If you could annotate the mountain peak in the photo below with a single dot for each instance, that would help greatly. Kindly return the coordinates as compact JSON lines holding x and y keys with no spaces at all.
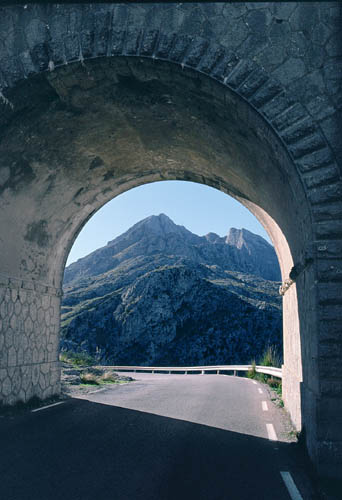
{"x":212,"y":237}
{"x":160,"y":224}
{"x":156,"y":235}
{"x":243,"y":238}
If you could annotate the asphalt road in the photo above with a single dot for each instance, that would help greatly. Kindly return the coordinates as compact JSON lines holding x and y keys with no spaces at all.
{"x":163,"y":437}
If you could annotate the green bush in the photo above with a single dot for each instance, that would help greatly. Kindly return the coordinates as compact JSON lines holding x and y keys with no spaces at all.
{"x":252,"y":371}
{"x":77,"y":358}
{"x":270,"y":357}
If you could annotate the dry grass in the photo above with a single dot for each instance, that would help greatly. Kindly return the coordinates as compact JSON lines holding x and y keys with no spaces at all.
{"x":90,"y":378}
{"x":109,"y":377}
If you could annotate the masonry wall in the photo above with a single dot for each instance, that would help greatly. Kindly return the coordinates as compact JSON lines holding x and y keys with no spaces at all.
{"x":29,"y":340}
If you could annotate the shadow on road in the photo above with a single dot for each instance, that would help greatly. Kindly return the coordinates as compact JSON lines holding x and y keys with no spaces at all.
{"x":82,"y":450}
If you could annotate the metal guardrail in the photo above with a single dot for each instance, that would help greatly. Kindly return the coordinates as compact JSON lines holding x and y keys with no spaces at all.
{"x":267,"y":370}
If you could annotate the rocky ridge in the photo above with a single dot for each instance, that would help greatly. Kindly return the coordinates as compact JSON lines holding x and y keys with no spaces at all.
{"x":159,"y":294}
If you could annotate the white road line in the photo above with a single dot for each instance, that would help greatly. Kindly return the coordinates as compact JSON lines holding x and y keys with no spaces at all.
{"x":48,"y":406}
{"x":254,"y":382}
{"x":264,"y":406}
{"x":290,"y":485}
{"x":98,"y":390}
{"x":272,"y":436}
{"x":260,"y":391}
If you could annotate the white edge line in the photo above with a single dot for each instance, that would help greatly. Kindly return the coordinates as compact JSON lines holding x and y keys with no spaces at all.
{"x":272,"y":436}
{"x":290,"y":485}
{"x":48,"y":406}
{"x":254,"y":382}
{"x":260,"y":391}
{"x":264,"y":406}
{"x":98,"y":390}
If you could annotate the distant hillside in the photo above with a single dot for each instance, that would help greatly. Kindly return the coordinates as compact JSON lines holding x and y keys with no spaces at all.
{"x":159,"y":294}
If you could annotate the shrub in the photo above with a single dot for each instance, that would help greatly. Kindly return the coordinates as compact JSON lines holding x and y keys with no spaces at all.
{"x":271,"y":357}
{"x":77,"y":358}
{"x":108,"y":377}
{"x":252,"y":371}
{"x":89,"y":378}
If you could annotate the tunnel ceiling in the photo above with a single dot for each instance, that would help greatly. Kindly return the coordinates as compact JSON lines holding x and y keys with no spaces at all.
{"x":86,"y":132}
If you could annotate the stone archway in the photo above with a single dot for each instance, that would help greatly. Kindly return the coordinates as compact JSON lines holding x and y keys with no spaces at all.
{"x":163,"y":107}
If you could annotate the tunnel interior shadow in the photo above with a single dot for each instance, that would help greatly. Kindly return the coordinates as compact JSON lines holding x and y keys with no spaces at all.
{"x":85,"y":450}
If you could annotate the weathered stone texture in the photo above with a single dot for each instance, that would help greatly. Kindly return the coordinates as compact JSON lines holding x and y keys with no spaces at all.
{"x":29,"y":342}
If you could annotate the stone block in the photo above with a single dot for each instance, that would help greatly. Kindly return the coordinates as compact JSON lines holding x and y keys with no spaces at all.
{"x":33,"y":311}
{"x":12,"y":357}
{"x":132,"y":41}
{"x":256,"y":79}
{"x":298,"y":131}
{"x":330,"y":312}
{"x":196,"y":52}
{"x":265,"y":94}
{"x":330,"y":349}
{"x":330,"y":330}
{"x":329,"y":293}
{"x":28,"y":325}
{"x":307,"y":145}
{"x":328,"y":229}
{"x":329,"y":367}
{"x":324,"y":175}
{"x":6,"y":387}
{"x":165,"y":44}
{"x":9,"y":340}
{"x":71,"y":46}
{"x":328,"y":248}
{"x":102,"y":24}
{"x":45,"y":302}
{"x":3,"y":309}
{"x":324,"y":194}
{"x":329,"y":270}
{"x":224,"y":66}
{"x":289,"y":116}
{"x":20,"y":356}
{"x":149,"y":41}
{"x":40,"y":288}
{"x":212,"y":58}
{"x":40,"y":57}
{"x":56,"y":52}
{"x":40,"y":316}
{"x":35,"y":355}
{"x":179,"y":48}
{"x":239,"y":74}
{"x":14,"y":322}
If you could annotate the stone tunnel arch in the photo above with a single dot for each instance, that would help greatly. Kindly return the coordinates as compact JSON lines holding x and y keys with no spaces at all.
{"x":79,"y":142}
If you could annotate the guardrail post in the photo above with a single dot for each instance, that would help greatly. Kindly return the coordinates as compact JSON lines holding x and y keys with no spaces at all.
{"x":185,"y":373}
{"x":202,"y":372}
{"x":152,"y":371}
{"x":218,"y":372}
{"x":234,"y":373}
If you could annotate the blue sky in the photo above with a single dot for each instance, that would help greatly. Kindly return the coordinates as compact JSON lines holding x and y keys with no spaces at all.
{"x":199,"y":208}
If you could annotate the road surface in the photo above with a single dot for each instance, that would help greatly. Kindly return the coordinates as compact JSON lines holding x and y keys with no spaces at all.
{"x":162,"y":437}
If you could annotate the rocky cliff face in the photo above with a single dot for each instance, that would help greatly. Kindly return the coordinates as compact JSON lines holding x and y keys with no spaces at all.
{"x":159,"y":294}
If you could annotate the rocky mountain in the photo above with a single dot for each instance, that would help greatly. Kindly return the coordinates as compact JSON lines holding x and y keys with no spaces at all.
{"x":159,"y":294}
{"x":240,"y":250}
